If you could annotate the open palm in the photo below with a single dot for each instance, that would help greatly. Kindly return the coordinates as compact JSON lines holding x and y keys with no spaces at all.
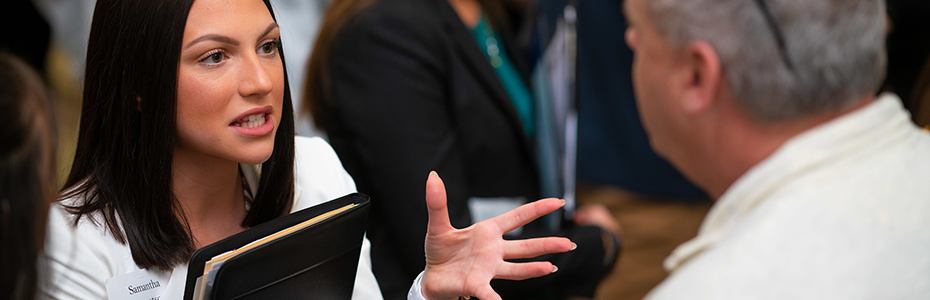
{"x":462,"y":262}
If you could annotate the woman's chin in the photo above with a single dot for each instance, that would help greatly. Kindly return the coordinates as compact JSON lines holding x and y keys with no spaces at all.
{"x":255,"y":155}
{"x":256,"y":160}
{"x":256,"y":152}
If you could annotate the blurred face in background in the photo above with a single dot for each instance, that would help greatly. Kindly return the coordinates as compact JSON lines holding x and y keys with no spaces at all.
{"x":27,"y":175}
{"x":230,"y":82}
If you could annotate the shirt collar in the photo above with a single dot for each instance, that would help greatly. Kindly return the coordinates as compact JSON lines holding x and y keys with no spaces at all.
{"x":808,"y":151}
{"x":252,"y":175}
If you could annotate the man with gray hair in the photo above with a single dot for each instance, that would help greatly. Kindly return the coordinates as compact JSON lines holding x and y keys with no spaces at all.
{"x":822,"y":189}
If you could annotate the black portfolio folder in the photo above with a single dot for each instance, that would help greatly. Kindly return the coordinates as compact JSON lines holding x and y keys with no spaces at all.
{"x":315,"y":262}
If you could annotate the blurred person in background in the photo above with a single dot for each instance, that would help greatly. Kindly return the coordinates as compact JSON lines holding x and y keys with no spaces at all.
{"x":656,"y":206}
{"x":769,"y":106}
{"x":27,"y":175}
{"x":403,"y":87}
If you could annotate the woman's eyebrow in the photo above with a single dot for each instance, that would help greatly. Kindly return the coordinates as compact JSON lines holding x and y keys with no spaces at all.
{"x":226,"y":39}
{"x":271,"y":27}
{"x":214,"y":37}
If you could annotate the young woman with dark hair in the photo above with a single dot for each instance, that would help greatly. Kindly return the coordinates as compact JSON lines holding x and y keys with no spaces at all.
{"x":133,"y":143}
{"x":187,"y":137}
{"x":27,"y":175}
{"x":403,"y":87}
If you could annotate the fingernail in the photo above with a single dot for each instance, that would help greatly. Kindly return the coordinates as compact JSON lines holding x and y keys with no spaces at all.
{"x":563,"y":202}
{"x":433,"y":173}
{"x":574,"y":246}
{"x":554,"y":269}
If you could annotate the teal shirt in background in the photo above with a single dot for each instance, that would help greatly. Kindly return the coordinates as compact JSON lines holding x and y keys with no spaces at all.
{"x":490,"y":43}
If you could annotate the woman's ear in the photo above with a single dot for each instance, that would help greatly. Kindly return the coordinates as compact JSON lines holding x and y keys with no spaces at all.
{"x":706,"y":76}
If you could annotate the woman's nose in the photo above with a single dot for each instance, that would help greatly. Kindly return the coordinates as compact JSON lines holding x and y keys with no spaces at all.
{"x":255,"y":80}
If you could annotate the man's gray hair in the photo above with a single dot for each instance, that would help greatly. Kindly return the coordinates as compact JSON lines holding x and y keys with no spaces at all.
{"x":836,"y":47}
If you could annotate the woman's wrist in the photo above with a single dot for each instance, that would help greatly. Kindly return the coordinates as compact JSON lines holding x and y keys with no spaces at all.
{"x":430,"y":289}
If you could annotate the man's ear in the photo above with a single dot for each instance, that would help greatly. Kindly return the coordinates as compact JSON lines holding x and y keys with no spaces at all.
{"x":138,"y":103}
{"x":706,"y":77}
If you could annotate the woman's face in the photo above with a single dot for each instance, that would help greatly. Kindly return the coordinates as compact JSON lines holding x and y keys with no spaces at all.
{"x":230,"y":82}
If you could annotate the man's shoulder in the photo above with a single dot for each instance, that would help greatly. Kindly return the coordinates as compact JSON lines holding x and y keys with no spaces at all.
{"x":806,"y":251}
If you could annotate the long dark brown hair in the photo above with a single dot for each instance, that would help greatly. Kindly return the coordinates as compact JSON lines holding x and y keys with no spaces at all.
{"x":122,"y":166}
{"x":317,"y":93}
{"x":27,"y":175}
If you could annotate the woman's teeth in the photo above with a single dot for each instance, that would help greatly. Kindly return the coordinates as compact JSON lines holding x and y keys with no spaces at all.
{"x":251,"y":121}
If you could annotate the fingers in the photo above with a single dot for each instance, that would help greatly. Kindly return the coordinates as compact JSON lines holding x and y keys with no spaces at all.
{"x":528,"y":212}
{"x":436,"y":205}
{"x":527,"y":270}
{"x":535,"y":247}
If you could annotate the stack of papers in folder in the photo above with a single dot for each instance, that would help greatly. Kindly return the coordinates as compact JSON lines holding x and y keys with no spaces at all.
{"x":309,"y":254}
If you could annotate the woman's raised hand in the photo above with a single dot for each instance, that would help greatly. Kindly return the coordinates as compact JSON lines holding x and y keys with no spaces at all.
{"x":462,"y":262}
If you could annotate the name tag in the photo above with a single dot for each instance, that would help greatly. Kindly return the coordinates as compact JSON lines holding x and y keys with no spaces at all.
{"x":138,"y":285}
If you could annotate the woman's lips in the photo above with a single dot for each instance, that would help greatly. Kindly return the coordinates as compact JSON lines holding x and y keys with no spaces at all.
{"x":262,"y":125}
{"x":255,"y":122}
{"x":250,"y":121}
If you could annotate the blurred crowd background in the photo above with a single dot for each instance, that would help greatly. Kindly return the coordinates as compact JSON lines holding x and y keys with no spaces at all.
{"x":579,"y":67}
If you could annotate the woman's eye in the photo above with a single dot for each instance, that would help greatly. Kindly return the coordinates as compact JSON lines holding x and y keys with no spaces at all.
{"x":216,"y":57}
{"x":269,"y":47}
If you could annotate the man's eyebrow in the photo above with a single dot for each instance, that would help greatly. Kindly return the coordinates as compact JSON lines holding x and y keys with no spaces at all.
{"x":214,"y":37}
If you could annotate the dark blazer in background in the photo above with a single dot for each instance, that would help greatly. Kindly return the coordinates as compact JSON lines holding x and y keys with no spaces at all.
{"x":413,"y":93}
